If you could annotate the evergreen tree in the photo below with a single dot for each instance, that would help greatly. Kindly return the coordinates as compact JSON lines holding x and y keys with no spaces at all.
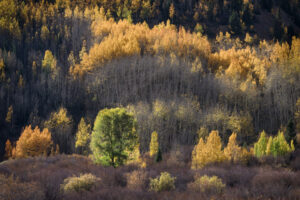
{"x":158,"y":157}
{"x":234,"y":23}
{"x":290,"y":131}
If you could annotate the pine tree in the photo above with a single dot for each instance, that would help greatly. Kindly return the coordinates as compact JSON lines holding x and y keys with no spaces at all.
{"x":154,"y":146}
{"x":158,"y":157}
{"x":83,"y":137}
{"x":260,"y":146}
{"x":290,"y":131}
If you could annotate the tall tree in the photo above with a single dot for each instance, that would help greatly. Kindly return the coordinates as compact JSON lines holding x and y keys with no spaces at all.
{"x":154,"y":146}
{"x":60,"y":124}
{"x":232,"y":151}
{"x":33,"y":142}
{"x":83,"y":137}
{"x":260,"y":146}
{"x":209,"y":152}
{"x":114,"y":135}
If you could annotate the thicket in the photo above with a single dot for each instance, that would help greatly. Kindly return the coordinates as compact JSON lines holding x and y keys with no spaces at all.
{"x":19,"y":180}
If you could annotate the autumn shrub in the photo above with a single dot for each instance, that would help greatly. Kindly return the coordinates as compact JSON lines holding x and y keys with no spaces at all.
{"x":136,"y":179}
{"x":13,"y":189}
{"x":33,"y":142}
{"x":210,"y":185}
{"x":272,"y":184}
{"x":80,"y":183}
{"x":164,"y":182}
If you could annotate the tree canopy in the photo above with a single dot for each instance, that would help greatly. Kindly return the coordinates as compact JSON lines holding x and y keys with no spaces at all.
{"x":114,"y":135}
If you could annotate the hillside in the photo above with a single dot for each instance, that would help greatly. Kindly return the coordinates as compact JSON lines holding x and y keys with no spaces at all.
{"x":137,"y":86}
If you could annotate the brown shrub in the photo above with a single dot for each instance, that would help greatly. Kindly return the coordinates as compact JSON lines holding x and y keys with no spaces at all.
{"x":136,"y":180}
{"x":273,"y":184}
{"x":14,"y":189}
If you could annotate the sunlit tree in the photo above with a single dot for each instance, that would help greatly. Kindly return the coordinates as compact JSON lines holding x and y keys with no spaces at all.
{"x":33,"y":142}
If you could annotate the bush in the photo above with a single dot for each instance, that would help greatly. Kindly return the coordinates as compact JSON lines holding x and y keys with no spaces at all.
{"x":136,"y":179}
{"x":211,"y":185}
{"x":163,"y":183}
{"x":79,"y":184}
{"x":13,"y":189}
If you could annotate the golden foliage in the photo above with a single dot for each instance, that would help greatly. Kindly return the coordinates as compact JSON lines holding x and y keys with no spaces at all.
{"x":232,"y":151}
{"x":58,"y":118}
{"x":83,"y":136}
{"x":121,"y":39}
{"x":33,"y":142}
{"x":8,"y":149}
{"x":209,"y":152}
{"x":153,"y":147}
{"x":9,"y":114}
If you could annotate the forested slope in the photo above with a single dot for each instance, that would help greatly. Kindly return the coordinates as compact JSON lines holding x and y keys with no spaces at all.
{"x":165,"y":61}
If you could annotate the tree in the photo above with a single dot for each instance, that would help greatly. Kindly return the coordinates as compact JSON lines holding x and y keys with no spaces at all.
{"x":83,"y":137}
{"x":49,"y":64}
{"x":33,"y":142}
{"x":260,"y":146}
{"x":232,"y":151}
{"x":297,"y":116}
{"x":279,"y":146}
{"x":113,"y":136}
{"x":171,"y":11}
{"x":154,"y":146}
{"x":60,"y":124}
{"x":234,"y":22}
{"x":158,"y":157}
{"x":8,"y":149}
{"x":9,"y":114}
{"x":290,"y":131}
{"x":209,"y":152}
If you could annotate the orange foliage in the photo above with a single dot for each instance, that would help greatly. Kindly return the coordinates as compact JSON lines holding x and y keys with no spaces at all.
{"x":33,"y":142}
{"x":8,"y":149}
